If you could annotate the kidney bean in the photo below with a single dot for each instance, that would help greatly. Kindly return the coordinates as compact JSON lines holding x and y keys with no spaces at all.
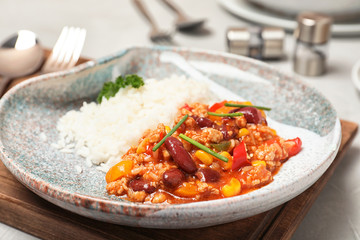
{"x":227,"y":133}
{"x":141,"y":185}
{"x":208,"y":175}
{"x":180,"y":156}
{"x":226,"y":119}
{"x":234,"y":110}
{"x":194,"y":117}
{"x":204,"y":122}
{"x":173,"y":177}
{"x":252,"y":115}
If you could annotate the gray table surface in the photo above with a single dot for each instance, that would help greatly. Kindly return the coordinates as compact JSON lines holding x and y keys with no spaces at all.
{"x":115,"y":24}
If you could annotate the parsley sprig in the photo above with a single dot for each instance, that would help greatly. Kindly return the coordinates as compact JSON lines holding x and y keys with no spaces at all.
{"x":111,"y":88}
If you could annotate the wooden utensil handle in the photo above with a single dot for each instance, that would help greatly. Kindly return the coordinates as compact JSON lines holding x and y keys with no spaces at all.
{"x":140,"y":5}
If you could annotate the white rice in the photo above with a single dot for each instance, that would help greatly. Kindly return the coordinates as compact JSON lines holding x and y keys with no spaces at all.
{"x":102,"y":133}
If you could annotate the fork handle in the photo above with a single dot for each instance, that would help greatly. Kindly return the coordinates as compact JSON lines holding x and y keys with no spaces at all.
{"x":173,"y":7}
{"x":140,"y":5}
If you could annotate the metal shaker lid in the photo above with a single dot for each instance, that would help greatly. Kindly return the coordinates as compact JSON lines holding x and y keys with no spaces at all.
{"x":238,"y":40}
{"x":273,"y":39}
{"x":256,"y":42}
{"x":313,"y":27}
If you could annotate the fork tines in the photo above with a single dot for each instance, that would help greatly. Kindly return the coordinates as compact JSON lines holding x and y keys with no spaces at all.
{"x":66,"y":51}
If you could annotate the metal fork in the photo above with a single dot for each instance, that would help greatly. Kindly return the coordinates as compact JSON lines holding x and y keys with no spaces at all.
{"x":66,"y":51}
{"x":156,"y":35}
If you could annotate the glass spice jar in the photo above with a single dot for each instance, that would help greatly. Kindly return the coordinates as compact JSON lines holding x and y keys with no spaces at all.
{"x":311,"y":49}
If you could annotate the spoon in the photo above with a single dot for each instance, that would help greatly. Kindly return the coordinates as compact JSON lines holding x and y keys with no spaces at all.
{"x":20,"y":55}
{"x":183,"y":22}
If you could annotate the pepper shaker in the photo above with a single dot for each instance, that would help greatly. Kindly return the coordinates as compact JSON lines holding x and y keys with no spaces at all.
{"x":312,"y":35}
{"x":256,"y":42}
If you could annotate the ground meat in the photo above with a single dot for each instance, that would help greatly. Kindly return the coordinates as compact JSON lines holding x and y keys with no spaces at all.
{"x":158,"y":198}
{"x":271,"y":154}
{"x":166,"y":154}
{"x":118,"y":187}
{"x":153,"y":172}
{"x":135,"y":158}
{"x":214,"y":191}
{"x":190,"y":124}
{"x":196,"y":135}
{"x":265,"y":152}
{"x":199,"y":109}
{"x":186,"y":144}
{"x":260,"y":133}
{"x":255,"y":176}
{"x":212,"y":135}
{"x":216,"y":166}
{"x":136,"y":196}
{"x":240,"y":121}
{"x":202,"y":186}
{"x":138,"y":170}
{"x":205,"y":136}
{"x":266,"y":132}
{"x":155,"y":135}
{"x":181,"y":113}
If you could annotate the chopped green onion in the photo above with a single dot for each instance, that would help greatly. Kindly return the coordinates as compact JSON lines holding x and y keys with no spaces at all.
{"x":246,"y":105}
{"x":202,"y":147}
{"x":170,"y":133}
{"x":236,"y":114}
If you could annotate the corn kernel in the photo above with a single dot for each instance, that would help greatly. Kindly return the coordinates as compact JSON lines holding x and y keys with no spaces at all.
{"x":226,"y":165}
{"x":142,"y":146}
{"x":258,"y":162}
{"x":273,"y":131}
{"x":232,"y":188}
{"x":243,"y":132}
{"x":167,"y":129}
{"x":204,"y":157}
{"x":226,"y":154}
{"x":119,"y":170}
{"x":263,"y":113}
{"x":187,"y":190}
{"x":247,"y":103}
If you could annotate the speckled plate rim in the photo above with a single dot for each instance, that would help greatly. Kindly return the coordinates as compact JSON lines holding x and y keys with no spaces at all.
{"x":127,"y":208}
{"x":355,"y":74}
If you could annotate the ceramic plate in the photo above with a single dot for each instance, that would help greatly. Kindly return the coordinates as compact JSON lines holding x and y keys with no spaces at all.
{"x":243,"y":9}
{"x":29,"y":113}
{"x":355,"y":75}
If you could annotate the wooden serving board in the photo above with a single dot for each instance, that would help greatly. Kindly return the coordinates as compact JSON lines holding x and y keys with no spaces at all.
{"x":24,"y":210}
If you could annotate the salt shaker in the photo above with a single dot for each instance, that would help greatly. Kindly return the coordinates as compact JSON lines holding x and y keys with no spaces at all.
{"x":312,"y":35}
{"x":256,"y":42}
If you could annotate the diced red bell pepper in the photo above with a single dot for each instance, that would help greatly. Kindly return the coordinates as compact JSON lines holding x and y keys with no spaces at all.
{"x":187,"y":107}
{"x":149,"y":149}
{"x":216,"y":106}
{"x":161,"y":135}
{"x":296,"y":148}
{"x":239,"y":157}
{"x":272,"y":141}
